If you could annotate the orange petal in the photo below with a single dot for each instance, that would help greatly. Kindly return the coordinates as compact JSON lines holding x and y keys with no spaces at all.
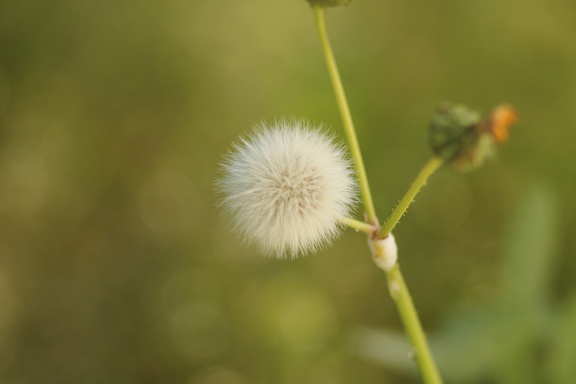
{"x":502,"y":117}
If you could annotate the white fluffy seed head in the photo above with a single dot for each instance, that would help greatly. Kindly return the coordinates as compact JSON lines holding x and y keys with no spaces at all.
{"x":286,"y":187}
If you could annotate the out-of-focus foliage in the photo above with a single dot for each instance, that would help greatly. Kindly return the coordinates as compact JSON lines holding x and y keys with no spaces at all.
{"x":115,"y":266}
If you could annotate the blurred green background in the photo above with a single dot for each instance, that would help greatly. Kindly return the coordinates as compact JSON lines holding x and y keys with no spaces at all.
{"x":115,"y":266}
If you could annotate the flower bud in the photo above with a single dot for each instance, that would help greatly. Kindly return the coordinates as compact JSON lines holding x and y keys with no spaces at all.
{"x":463,"y":139}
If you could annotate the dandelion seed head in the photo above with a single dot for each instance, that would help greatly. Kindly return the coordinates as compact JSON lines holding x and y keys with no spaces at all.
{"x":286,"y":187}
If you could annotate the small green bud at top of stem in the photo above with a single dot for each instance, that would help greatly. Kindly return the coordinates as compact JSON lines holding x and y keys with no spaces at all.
{"x":451,"y":129}
{"x":463,"y":139}
{"x":328,"y":3}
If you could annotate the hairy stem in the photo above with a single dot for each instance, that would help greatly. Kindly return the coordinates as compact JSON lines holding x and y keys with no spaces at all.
{"x":431,"y":166}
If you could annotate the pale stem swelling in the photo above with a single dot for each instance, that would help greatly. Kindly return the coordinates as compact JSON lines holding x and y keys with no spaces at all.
{"x":346,"y":116}
{"x":397,"y":286}
{"x":431,"y":166}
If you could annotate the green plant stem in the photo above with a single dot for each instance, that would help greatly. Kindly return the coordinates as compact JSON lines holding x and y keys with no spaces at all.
{"x":358,"y":225}
{"x":398,"y":289}
{"x":346,"y":116}
{"x":429,"y":168}
{"x":423,"y":356}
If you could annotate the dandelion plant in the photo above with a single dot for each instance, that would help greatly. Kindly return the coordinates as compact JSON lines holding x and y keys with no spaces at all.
{"x":289,"y":188}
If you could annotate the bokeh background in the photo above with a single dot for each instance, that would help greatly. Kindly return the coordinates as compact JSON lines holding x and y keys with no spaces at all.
{"x":115,"y":266}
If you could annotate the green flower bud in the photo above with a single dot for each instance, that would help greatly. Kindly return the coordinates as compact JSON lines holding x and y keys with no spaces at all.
{"x":463,"y":139}
{"x":452,"y":129}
